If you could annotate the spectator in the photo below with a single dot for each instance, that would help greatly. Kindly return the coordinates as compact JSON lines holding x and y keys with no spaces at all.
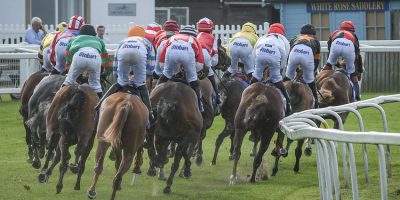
{"x":101,"y":30}
{"x":36,"y":32}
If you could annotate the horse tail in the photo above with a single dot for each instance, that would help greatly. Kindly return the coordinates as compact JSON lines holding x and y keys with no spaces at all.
{"x":71,"y":110}
{"x":113,"y":133}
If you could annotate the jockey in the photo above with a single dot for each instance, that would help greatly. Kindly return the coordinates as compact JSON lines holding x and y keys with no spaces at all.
{"x":344,"y":42}
{"x":183,"y":49}
{"x":151,"y":31}
{"x":272,"y":50}
{"x":44,"y":49}
{"x":170,"y":28}
{"x":210,"y":49}
{"x":241,"y":47}
{"x":60,"y":41}
{"x":305,"y":51}
{"x":86,"y":52}
{"x":135,"y":52}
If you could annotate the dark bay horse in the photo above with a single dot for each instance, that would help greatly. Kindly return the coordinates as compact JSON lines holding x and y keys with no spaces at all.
{"x":71,"y":120}
{"x":38,"y":107}
{"x":260,"y":110}
{"x":301,"y":99}
{"x":26,"y":93}
{"x":122,"y":124}
{"x":178,"y":120}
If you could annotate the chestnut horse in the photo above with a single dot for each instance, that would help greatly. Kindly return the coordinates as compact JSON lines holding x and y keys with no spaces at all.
{"x":260,"y":110}
{"x":178,"y":120}
{"x":122,"y":124}
{"x":26,"y":93}
{"x":71,"y":120}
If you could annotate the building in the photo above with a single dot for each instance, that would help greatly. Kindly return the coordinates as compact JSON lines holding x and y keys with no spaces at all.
{"x":374,"y":19}
{"x":94,"y":11}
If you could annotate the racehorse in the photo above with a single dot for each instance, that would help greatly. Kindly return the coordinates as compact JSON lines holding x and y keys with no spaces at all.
{"x":260,"y":110}
{"x":301,"y":98}
{"x":178,"y":120}
{"x":71,"y":120}
{"x":38,"y":106}
{"x":26,"y":93}
{"x":122,"y":124}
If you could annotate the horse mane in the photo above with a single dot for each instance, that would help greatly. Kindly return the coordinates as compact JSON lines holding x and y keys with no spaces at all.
{"x":70,"y":110}
{"x":113,"y":133}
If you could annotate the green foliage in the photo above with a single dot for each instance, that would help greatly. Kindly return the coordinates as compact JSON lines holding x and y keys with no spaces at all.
{"x":19,"y":179}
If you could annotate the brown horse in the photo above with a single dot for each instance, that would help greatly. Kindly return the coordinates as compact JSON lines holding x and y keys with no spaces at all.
{"x":260,"y":110}
{"x":122,"y":124}
{"x":26,"y":93}
{"x":71,"y":118}
{"x":301,"y":99}
{"x":178,"y":120}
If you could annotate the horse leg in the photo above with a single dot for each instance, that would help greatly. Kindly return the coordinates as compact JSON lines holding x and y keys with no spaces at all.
{"x":28,"y":140}
{"x":100,"y":154}
{"x":151,"y":152}
{"x":298,"y":153}
{"x":288,"y":143}
{"x":138,"y":161}
{"x":238,"y":140}
{"x":232,"y":135}
{"x":171,"y":149}
{"x":42,"y":144}
{"x":278,"y":150}
{"x":218,"y":142}
{"x":44,"y":175}
{"x":82,"y":162}
{"x":78,"y":152}
{"x":65,"y":156}
{"x":35,"y":161}
{"x":199,"y":153}
{"x":265,"y":140}
{"x":253,"y":151}
{"x":118,"y":155}
{"x":186,"y":171}
{"x":174,"y":168}
{"x":123,"y":168}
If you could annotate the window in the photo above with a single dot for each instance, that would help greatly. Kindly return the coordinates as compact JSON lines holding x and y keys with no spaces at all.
{"x":395,"y":26}
{"x":67,"y":9}
{"x":321,"y":23}
{"x":179,"y":14}
{"x":376,"y":26}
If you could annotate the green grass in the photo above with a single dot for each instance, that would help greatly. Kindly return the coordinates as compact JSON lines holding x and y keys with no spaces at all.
{"x":207,"y":182}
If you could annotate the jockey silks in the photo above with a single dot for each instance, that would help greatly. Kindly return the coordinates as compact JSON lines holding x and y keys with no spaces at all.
{"x":242,"y":49}
{"x":210,"y":50}
{"x":301,"y":54}
{"x":310,"y":41}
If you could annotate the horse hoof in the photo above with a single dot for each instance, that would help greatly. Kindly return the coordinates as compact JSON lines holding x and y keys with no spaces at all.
{"x":151,"y":172}
{"x":43,"y":178}
{"x":91,"y":194}
{"x":231,"y":157}
{"x":213,"y":163}
{"x":252,"y":180}
{"x":41,"y":153}
{"x":74,"y":168}
{"x":77,"y":188}
{"x":167,"y":190}
{"x":199,"y":160}
{"x":137,"y":170}
{"x":296,"y":170}
{"x":252,"y":154}
{"x":274,"y":153}
{"x":308,"y":152}
{"x":59,"y":188}
{"x":232,"y":179}
{"x":36,"y":164}
{"x":285,"y":154}
{"x":274,"y":171}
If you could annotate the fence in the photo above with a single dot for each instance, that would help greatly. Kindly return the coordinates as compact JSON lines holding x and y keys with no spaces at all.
{"x":302,"y":125}
{"x":14,"y":33}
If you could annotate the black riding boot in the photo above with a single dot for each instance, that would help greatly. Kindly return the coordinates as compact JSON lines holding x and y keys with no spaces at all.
{"x":162,"y":79}
{"x":354,"y":80}
{"x":196,"y":87}
{"x":214,"y":85}
{"x":282,"y":88}
{"x":144,"y":95}
{"x":113,"y":89}
{"x":227,"y":74}
{"x":100,"y":94}
{"x":314,"y":92}
{"x":54,"y":71}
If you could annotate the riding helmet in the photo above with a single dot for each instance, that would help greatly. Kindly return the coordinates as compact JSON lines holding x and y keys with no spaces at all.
{"x":347,"y":26}
{"x":277,"y":28}
{"x":87,"y":29}
{"x":188,"y":30}
{"x":308,"y":29}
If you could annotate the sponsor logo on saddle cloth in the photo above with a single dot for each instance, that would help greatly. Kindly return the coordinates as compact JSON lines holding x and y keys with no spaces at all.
{"x":342,"y":43}
{"x":302,"y":51}
{"x":87,"y":55}
{"x":240,"y":44}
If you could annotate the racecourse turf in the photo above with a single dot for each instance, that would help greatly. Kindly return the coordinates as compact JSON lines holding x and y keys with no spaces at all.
{"x":19,"y":179}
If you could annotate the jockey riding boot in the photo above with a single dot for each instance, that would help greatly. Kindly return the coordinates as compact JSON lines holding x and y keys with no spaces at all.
{"x":354,"y":80}
{"x":314,"y":92}
{"x":99,"y":94}
{"x":113,"y":89}
{"x":214,"y":85}
{"x":327,"y":66}
{"x":196,"y":87}
{"x":162,"y":79}
{"x":282,"y":88}
{"x":144,"y":95}
{"x":54,"y":71}
{"x":286,"y":79}
{"x":249,"y":76}
{"x":227,"y":74}
{"x":253,"y":80}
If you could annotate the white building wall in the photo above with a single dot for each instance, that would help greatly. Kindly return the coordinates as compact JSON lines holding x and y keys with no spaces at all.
{"x":12,"y":12}
{"x":145,"y":12}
